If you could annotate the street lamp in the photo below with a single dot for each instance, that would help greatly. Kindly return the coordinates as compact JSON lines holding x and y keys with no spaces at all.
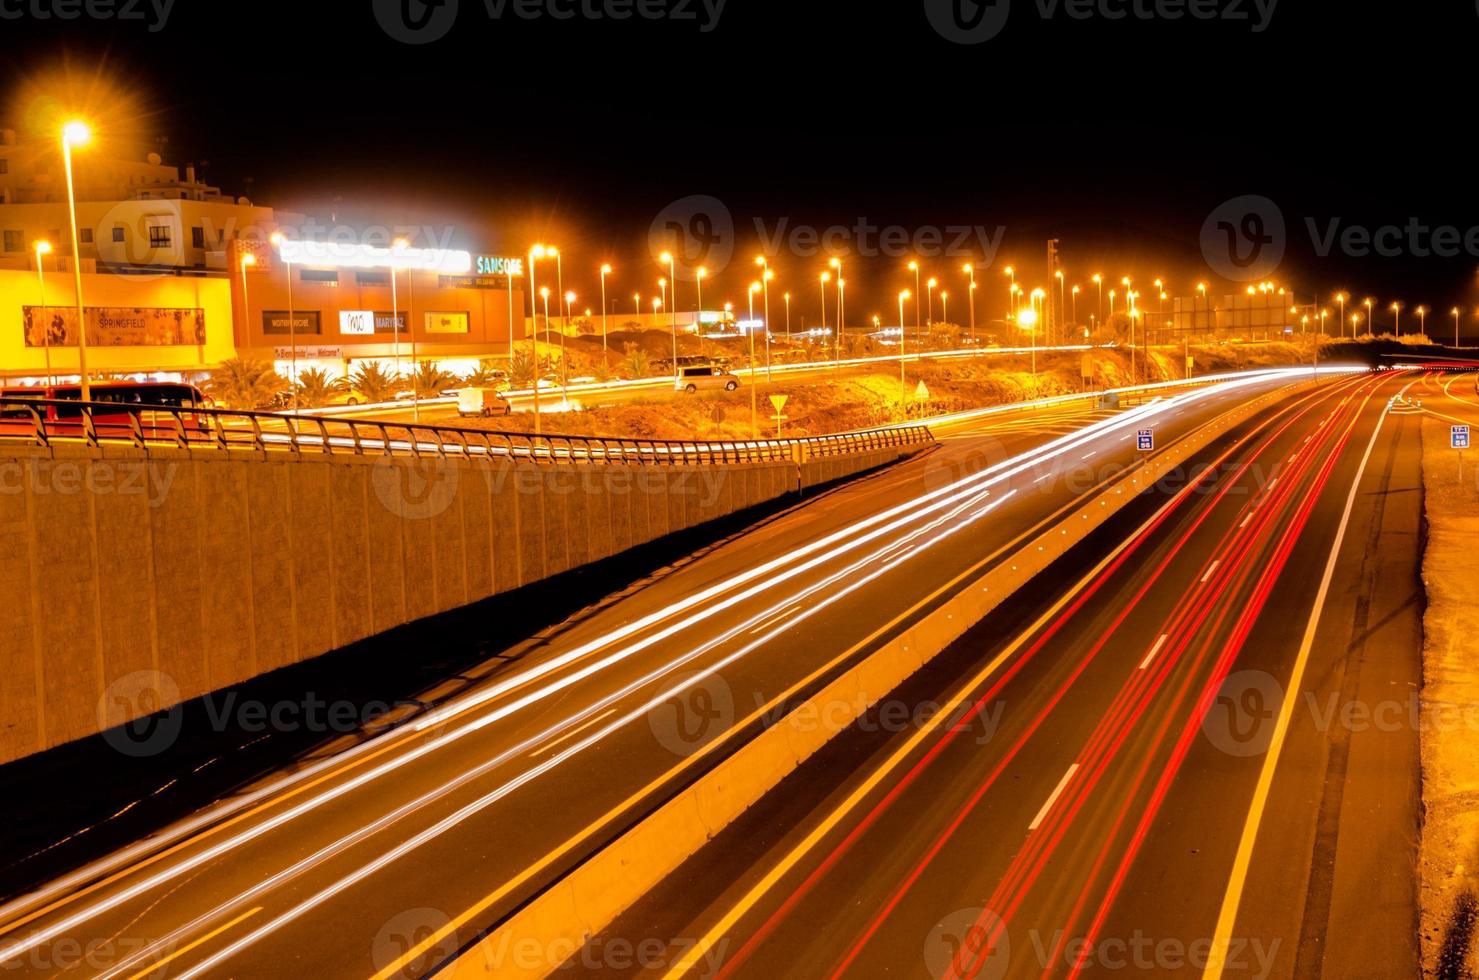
{"x":564,"y":363}
{"x":903,"y":295}
{"x":247,"y":259}
{"x":823,"y":279}
{"x":77,"y":134}
{"x":1397,"y":309}
{"x":765,"y":276}
{"x":1027,"y":320}
{"x":44,"y":248}
{"x":754,"y":417}
{"x":836,"y":264}
{"x":535,"y":254}
{"x":1074,"y":318}
{"x":1099,"y":281}
{"x":1340,"y":299}
{"x":1422,"y":320}
{"x":400,"y":244}
{"x":787,"y":298}
{"x":929,"y":288}
{"x":672,"y":264}
{"x":944,"y":306}
{"x":918,"y":318}
{"x":1370,"y":322}
{"x":970,"y":270}
{"x":1454,"y":311}
{"x":276,"y":239}
{"x":605,"y":320}
{"x":698,"y":316}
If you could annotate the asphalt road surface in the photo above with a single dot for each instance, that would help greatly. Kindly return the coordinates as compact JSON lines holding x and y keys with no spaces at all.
{"x":1195,"y":757}
{"x":385,"y":859}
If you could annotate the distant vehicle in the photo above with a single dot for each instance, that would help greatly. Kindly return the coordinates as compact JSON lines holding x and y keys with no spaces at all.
{"x":692,"y":379}
{"x":665,"y":364}
{"x":482,"y":403}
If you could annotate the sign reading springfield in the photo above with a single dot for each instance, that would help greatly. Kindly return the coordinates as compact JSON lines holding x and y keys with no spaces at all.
{"x":107,"y":326}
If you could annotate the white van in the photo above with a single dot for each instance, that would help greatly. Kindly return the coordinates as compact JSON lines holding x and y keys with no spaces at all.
{"x":482,"y":402}
{"x":691,"y":379}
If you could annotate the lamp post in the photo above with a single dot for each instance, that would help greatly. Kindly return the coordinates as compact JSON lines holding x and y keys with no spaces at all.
{"x":662,"y":286}
{"x":605,"y":324}
{"x":1027,"y":320}
{"x":1062,"y":334}
{"x":1454,"y":311}
{"x":276,"y":239}
{"x":559,"y":283}
{"x":1099,"y":281}
{"x":1340,"y":299}
{"x":401,"y":244}
{"x":247,"y":259}
{"x":754,"y":416}
{"x":395,"y":321}
{"x":44,"y":248}
{"x":636,"y":304}
{"x":929,"y":292}
{"x":970,"y":271}
{"x":1370,"y":323}
{"x":944,"y":307}
{"x":765,"y":276}
{"x":1039,"y":301}
{"x":823,"y":279}
{"x":698,"y":315}
{"x":903,"y":295}
{"x":564,"y":362}
{"x":672,"y":264}
{"x":535,"y":254}
{"x":1074,"y":318}
{"x":77,"y":134}
{"x":1397,"y":309}
{"x":1422,"y":320}
{"x":918,"y":316}
{"x":1011,"y":274}
{"x":836,"y":265}
{"x":787,"y":298}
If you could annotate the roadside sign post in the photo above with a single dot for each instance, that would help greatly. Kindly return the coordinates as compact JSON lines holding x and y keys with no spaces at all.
{"x":1145,"y":440}
{"x":1458,"y":438}
{"x":779,"y":401}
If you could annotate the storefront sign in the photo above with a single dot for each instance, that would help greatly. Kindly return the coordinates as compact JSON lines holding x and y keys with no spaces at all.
{"x":308,"y":353}
{"x":357,"y":323}
{"x":446,"y":323}
{"x":107,"y":326}
{"x":303,"y":322}
{"x":494,"y":265}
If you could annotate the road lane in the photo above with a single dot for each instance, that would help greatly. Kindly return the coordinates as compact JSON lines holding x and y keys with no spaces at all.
{"x":972,"y":846}
{"x":316,"y":854}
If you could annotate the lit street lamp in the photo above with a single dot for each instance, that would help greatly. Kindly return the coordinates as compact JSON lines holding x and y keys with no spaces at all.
{"x":918,"y":317}
{"x":44,"y":248}
{"x":698,"y":315}
{"x":1397,"y":309}
{"x":903,"y":295}
{"x":605,"y":324}
{"x":77,"y":134}
{"x":1454,"y":311}
{"x":754,"y":417}
{"x":564,"y":363}
{"x":1422,"y":320}
{"x":672,"y":264}
{"x":1370,"y":322}
{"x":970,"y":270}
{"x":929,"y":288}
{"x":535,"y":254}
{"x":1099,"y":281}
{"x":247,"y":259}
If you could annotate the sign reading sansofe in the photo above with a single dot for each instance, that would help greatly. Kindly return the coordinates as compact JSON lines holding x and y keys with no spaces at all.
{"x":1145,"y":440}
{"x":499,"y":265}
{"x":1459,"y":436}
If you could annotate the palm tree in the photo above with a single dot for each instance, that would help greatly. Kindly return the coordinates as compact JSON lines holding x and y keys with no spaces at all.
{"x":637,"y":363}
{"x":521,"y":371}
{"x":375,"y":384}
{"x":245,"y":383}
{"x":316,"y":388}
{"x":483,"y":377}
{"x":430,"y":380}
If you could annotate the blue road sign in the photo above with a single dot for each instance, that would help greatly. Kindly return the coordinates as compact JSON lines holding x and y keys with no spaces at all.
{"x":1459,"y":436}
{"x":1145,"y":440}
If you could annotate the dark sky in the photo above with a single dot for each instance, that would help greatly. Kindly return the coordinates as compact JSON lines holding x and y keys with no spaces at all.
{"x":1120,"y":137}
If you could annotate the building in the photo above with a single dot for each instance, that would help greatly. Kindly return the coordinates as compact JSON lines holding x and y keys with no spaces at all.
{"x":332,"y":308}
{"x":133,"y":217}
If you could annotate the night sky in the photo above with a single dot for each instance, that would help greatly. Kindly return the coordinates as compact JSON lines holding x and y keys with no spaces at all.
{"x":1119,"y":137}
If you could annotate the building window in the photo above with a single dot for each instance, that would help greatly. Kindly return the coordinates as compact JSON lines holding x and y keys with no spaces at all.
{"x":328,"y":277}
{"x":197,"y":237}
{"x":118,"y":231}
{"x":159,"y":236}
{"x":85,"y":235}
{"x":372,"y":278}
{"x":14,"y":241}
{"x":4,"y":166}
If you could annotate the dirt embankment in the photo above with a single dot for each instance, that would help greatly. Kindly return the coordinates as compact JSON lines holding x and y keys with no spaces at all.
{"x":1449,"y":850}
{"x":862,"y":398}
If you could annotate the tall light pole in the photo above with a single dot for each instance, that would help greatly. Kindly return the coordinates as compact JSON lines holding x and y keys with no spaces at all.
{"x":605,"y":324}
{"x":1099,"y":281}
{"x":823,"y":279}
{"x":1027,"y":320}
{"x":636,"y":304}
{"x":1454,"y":311}
{"x":1038,"y":298}
{"x":559,"y":282}
{"x":970,"y":271}
{"x":1074,"y":318}
{"x":918,"y":316}
{"x":44,"y":248}
{"x":1422,"y":320}
{"x":754,"y":415}
{"x":276,"y":239}
{"x":672,"y":264}
{"x":903,"y":295}
{"x":836,"y":265}
{"x":944,"y":307}
{"x":395,"y":319}
{"x":401,"y":244}
{"x":247,"y":259}
{"x":1340,"y":298}
{"x":544,"y":298}
{"x":1370,"y":322}
{"x":535,"y":254}
{"x":765,"y":276}
{"x":1062,"y":302}
{"x":77,"y":134}
{"x":564,"y":362}
{"x":787,"y":298}
{"x":1397,"y":309}
{"x":662,"y":287}
{"x":929,"y":290}
{"x":698,"y":316}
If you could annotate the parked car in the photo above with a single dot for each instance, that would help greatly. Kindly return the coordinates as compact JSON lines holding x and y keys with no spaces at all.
{"x":692,"y":379}
{"x":482,"y":402}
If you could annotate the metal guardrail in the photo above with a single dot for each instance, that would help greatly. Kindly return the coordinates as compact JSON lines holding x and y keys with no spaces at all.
{"x":46,"y":422}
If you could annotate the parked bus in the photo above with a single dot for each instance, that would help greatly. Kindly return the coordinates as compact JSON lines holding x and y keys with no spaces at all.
{"x":157,"y":405}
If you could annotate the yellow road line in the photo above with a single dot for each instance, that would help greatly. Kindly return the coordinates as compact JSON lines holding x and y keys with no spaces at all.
{"x":1237,"y":880}
{"x":159,"y":964}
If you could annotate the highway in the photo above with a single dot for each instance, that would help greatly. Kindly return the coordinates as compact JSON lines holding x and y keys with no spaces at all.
{"x":466,"y":811}
{"x":1131,"y":788}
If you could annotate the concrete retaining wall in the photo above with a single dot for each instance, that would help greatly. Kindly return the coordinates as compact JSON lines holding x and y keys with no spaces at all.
{"x":135,"y":581}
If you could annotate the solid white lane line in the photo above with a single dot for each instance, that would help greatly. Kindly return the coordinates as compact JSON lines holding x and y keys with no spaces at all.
{"x":1062,"y":785}
{"x":1154,"y":650}
{"x":1245,"y":521}
{"x":1210,"y":569}
{"x":570,"y":734}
